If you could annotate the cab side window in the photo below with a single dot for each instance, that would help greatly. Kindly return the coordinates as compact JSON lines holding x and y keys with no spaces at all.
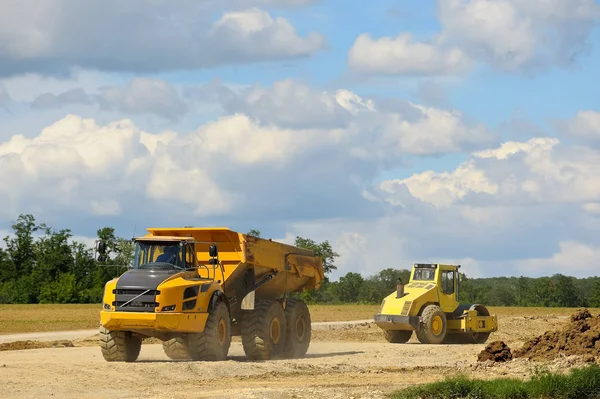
{"x":189,"y":255}
{"x":448,"y":282}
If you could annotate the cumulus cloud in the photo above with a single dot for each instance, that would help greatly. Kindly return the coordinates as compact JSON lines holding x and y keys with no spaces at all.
{"x":572,"y":258}
{"x":50,"y":100}
{"x":348,"y":140}
{"x":481,"y":215}
{"x":585,"y":127}
{"x":508,"y":35}
{"x":144,"y":95}
{"x":139,"y":96}
{"x":368,"y":128}
{"x":168,"y":36}
{"x":402,"y":55}
{"x":540,"y":171}
{"x":516,"y":34}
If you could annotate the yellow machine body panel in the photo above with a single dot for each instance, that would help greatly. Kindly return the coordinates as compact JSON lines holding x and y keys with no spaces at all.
{"x":183,"y":306}
{"x":298,"y":269}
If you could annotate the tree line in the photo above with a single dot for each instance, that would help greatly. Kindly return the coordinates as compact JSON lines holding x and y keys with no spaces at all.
{"x":43,"y":265}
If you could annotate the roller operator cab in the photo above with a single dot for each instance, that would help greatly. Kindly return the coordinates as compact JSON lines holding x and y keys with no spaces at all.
{"x":196,"y":288}
{"x":428,"y":305}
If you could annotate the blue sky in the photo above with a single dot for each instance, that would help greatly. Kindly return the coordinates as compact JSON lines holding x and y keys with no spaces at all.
{"x":462,"y":131}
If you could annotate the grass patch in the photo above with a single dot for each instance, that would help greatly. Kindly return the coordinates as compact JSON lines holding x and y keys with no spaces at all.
{"x":579,"y":383}
{"x":37,"y":318}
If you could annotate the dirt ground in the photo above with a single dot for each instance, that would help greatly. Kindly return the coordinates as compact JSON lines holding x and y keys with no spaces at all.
{"x":345,"y":363}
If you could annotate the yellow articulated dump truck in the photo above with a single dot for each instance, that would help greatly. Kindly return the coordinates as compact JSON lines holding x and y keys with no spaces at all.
{"x":195,"y":288}
{"x":428,"y":305}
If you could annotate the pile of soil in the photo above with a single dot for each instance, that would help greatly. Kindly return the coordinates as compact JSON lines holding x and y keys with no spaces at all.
{"x":496,"y":351}
{"x":21,"y":345}
{"x":580,"y":337}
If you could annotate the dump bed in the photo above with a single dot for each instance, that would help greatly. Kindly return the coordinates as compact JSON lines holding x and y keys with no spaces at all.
{"x":297,"y":269}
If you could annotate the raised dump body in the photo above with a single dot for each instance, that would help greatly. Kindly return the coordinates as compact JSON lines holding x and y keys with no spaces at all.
{"x":297,"y":269}
{"x":194,"y":288}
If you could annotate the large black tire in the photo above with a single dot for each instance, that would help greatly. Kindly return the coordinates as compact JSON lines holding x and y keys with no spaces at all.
{"x":214,"y":342}
{"x":433,"y":326}
{"x":177,"y":348}
{"x":397,"y":336}
{"x":119,"y":346}
{"x":298,"y":328}
{"x":264,"y":331}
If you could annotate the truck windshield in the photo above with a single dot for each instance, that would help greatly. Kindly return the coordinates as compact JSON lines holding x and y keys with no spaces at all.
{"x":158,"y":256}
{"x":424,"y":274}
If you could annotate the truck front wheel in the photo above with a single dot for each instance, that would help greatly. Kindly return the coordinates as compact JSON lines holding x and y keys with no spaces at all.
{"x":119,"y":346}
{"x":214,"y":342}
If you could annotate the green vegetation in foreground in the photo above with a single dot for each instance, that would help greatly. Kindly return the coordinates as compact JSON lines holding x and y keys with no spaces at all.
{"x":580,"y":383}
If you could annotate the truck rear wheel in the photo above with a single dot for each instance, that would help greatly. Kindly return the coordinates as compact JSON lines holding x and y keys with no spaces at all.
{"x":214,"y":342}
{"x":298,"y":328}
{"x":119,"y":346}
{"x":432,"y":329}
{"x":264,"y":331}
{"x":397,"y":336}
{"x":177,"y":348}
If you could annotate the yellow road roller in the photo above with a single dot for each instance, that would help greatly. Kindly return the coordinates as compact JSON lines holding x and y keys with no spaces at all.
{"x":428,"y":306}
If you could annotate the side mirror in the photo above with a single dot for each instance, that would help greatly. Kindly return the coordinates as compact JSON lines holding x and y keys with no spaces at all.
{"x":101,"y":247}
{"x":212,"y":251}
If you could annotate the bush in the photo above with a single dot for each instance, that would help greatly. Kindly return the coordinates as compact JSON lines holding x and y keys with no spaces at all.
{"x":582,"y":383}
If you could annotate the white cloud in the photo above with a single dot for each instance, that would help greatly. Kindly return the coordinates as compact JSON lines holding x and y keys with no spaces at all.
{"x":519,"y":34}
{"x":168,"y":36}
{"x":442,"y":189}
{"x":508,"y":35}
{"x":108,"y":169}
{"x":144,"y":95}
{"x":592,"y":208}
{"x":572,"y":259}
{"x":319,"y":180}
{"x":369,"y":129}
{"x":585,"y":126}
{"x":402,"y":55}
{"x":72,"y":96}
{"x":538,"y":171}
{"x":27,"y":87}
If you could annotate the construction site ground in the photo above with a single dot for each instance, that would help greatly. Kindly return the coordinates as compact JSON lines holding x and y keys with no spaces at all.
{"x":345,"y":360}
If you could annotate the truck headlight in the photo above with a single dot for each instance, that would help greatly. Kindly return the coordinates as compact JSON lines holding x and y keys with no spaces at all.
{"x":169,"y":308}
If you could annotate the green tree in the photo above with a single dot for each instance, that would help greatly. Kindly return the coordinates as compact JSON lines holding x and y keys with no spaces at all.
{"x":595,"y":295}
{"x":323,"y":249}
{"x":253,"y":233}
{"x":348,"y":287}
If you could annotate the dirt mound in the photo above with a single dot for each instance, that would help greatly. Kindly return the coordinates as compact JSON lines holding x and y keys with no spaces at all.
{"x":581,"y":315}
{"x":580,"y":337}
{"x":21,"y":345}
{"x":496,"y":351}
